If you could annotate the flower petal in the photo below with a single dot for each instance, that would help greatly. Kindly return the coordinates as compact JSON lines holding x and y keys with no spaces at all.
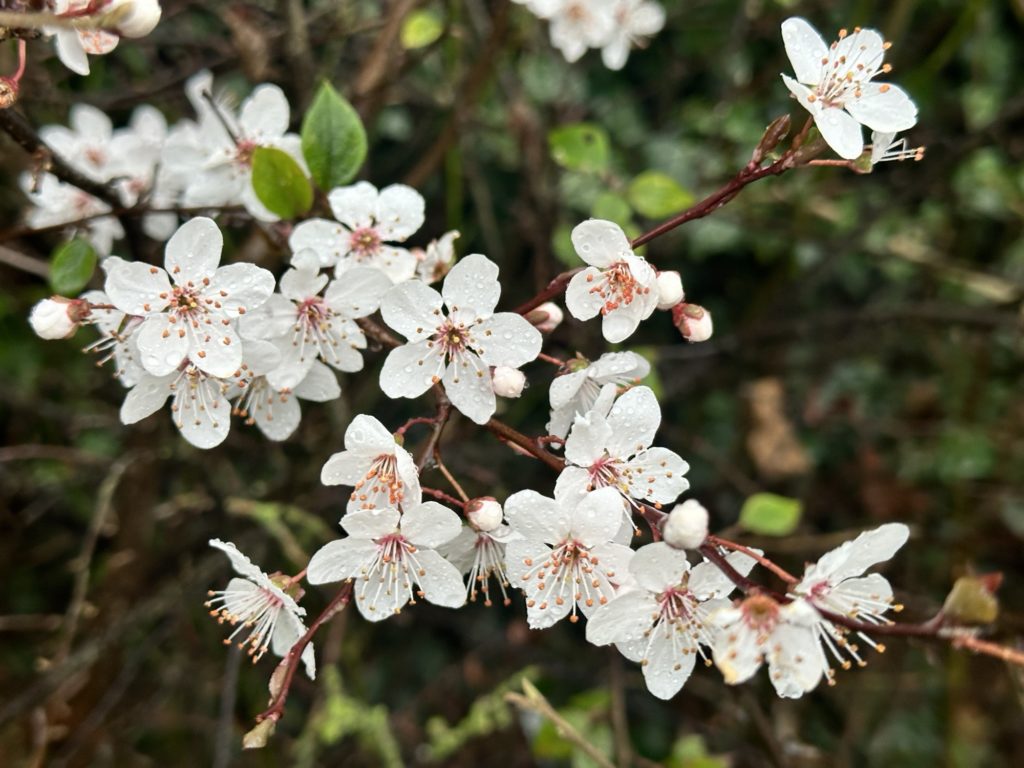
{"x":508,"y":339}
{"x":328,"y":239}
{"x":358,"y":293}
{"x":805,"y":48}
{"x":371,"y":523}
{"x":146,"y":398}
{"x":627,"y":618}
{"x":467,"y":382}
{"x":354,"y":206}
{"x":440,"y":581}
{"x":162,"y":346}
{"x":265,"y":113}
{"x":430,"y":524}
{"x":138,"y":289}
{"x":536,"y":517}
{"x":240,"y":288}
{"x":399,"y":212}
{"x":472,"y":286}
{"x":883,"y":107}
{"x":339,"y":560}
{"x":413,"y":309}
{"x":596,"y":519}
{"x":658,"y":566}
{"x":410,"y":370}
{"x":657,"y":475}
{"x":600,"y":243}
{"x":634,"y":419}
{"x":193,"y":252}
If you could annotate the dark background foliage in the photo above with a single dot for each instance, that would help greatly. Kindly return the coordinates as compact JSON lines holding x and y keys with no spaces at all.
{"x":866,"y":360}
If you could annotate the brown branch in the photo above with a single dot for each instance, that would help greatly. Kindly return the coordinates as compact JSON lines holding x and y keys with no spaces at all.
{"x":783,"y":574}
{"x":531,"y":446}
{"x":121,"y":212}
{"x":442,"y":496}
{"x":553,"y":289}
{"x":444,"y":412}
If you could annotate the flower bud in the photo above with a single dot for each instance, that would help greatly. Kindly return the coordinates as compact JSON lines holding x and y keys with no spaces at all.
{"x":670,"y":289}
{"x":686,"y":526}
{"x":132,"y":18}
{"x":546,"y":317}
{"x":484,"y":513}
{"x":57,"y":317}
{"x":508,"y":382}
{"x":693,"y":321}
{"x":8,"y":92}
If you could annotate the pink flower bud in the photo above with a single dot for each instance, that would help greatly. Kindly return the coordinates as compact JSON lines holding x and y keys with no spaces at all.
{"x":670,"y":289}
{"x":546,"y":317}
{"x":484,"y":513}
{"x":508,"y":382}
{"x":57,"y":317}
{"x":693,"y":321}
{"x":686,"y":526}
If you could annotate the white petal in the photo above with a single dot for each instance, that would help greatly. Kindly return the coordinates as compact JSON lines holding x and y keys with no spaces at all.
{"x":345,"y":468}
{"x":135,"y":288}
{"x":536,"y":517}
{"x":634,"y":419}
{"x":430,"y":524}
{"x":368,"y":436}
{"x":564,"y":388}
{"x":622,"y":322}
{"x":587,"y":439}
{"x":658,"y":566}
{"x":216,"y":351}
{"x":572,"y":485}
{"x":265,"y":113}
{"x":399,"y":212}
{"x":278,"y":419}
{"x":193,"y":252}
{"x":161,"y":347}
{"x":300,"y":284}
{"x":625,"y":619}
{"x":286,"y":633}
{"x":616,"y":53}
{"x":354,"y":206}
{"x":413,"y":309}
{"x":328,"y":239}
{"x":410,"y":370}
{"x":708,"y":582}
{"x":319,"y":386}
{"x":841,"y":132}
{"x":371,"y":523}
{"x":657,"y":475}
{"x":883,"y":107}
{"x":852,"y":558}
{"x":246,"y":287}
{"x":440,"y":581}
{"x":70,"y":51}
{"x":358,"y":293}
{"x":600,"y":243}
{"x":596,"y":519}
{"x":507,"y":339}
{"x":472,"y":286}
{"x":239,"y":561}
{"x":580,"y":300}
{"x":467,"y":382}
{"x":338,"y":560}
{"x":207,"y":428}
{"x":670,"y":658}
{"x":145,"y":398}
{"x":805,"y":48}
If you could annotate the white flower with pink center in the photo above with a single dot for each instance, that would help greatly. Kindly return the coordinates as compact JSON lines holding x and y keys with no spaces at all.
{"x":575,"y":393}
{"x":457,"y":347}
{"x":635,"y":21}
{"x":368,"y":222}
{"x":836,"y":584}
{"x":264,"y":616}
{"x":613,"y":449}
{"x":479,"y":550}
{"x":662,"y":623}
{"x":381,"y":472}
{"x":191,"y":319}
{"x":386,"y":553}
{"x":618,"y":285}
{"x":55,"y":202}
{"x":834,"y":83}
{"x":759,"y":630}
{"x":73,"y":45}
{"x":581,"y":24}
{"x":314,"y":327}
{"x":566,"y":561}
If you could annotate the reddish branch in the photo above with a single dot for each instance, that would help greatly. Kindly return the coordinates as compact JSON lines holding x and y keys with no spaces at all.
{"x":531,"y":446}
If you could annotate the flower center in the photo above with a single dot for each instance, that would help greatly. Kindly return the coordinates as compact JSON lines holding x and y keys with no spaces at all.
{"x":570,"y":572}
{"x":760,"y":613}
{"x":617,"y":287}
{"x":602,"y":473}
{"x":842,"y":75}
{"x":364,"y":242}
{"x":253,"y":612}
{"x":381,"y":486}
{"x":244,"y":151}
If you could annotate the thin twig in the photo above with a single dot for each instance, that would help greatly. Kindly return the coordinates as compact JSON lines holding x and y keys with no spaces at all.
{"x":532,"y":447}
{"x":783,"y":574}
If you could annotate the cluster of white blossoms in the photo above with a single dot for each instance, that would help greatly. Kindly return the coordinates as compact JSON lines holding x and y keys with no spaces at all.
{"x":614,"y":26}
{"x":95,"y":27}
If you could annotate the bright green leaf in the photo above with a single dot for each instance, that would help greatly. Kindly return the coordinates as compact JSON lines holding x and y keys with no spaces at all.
{"x":420,"y":29}
{"x":280,"y":183}
{"x":612,"y":207}
{"x":580,"y":147}
{"x":770,"y":515}
{"x":655,"y":195}
{"x":71,"y":266}
{"x":333,"y":139}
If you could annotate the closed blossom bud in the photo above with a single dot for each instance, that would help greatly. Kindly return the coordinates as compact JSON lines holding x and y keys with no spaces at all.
{"x":484,"y":513}
{"x":132,"y":18}
{"x":8,"y":92}
{"x":670,"y":289}
{"x":546,"y":317}
{"x":686,"y":526}
{"x":693,"y":321}
{"x":57,"y":317}
{"x":508,"y":382}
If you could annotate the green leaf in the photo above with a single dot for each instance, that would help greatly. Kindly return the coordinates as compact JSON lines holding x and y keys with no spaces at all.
{"x":770,"y":515}
{"x":655,"y":195}
{"x":71,"y":266}
{"x":612,"y":207}
{"x":333,"y":139}
{"x":420,"y":29}
{"x":280,"y":183}
{"x":580,"y":147}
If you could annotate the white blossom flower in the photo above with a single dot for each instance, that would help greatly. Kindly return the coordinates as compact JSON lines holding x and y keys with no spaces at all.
{"x":835,"y":84}
{"x":85,"y":142}
{"x":199,"y":404}
{"x":566,"y":559}
{"x":313,"y":326}
{"x":885,"y":147}
{"x":835,"y":584}
{"x":581,"y":24}
{"x":386,"y":552}
{"x":662,"y":622}
{"x":634,"y":20}
{"x":117,"y":340}
{"x":381,"y":472}
{"x":459,"y":347}
{"x":72,"y":45}
{"x":436,"y":260}
{"x":193,"y":318}
{"x":575,"y":393}
{"x":613,"y":449}
{"x":760,"y":630}
{"x":618,"y":284}
{"x":55,"y":202}
{"x":369,"y":222}
{"x":479,"y":550}
{"x":276,"y":410}
{"x":264,"y":616}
